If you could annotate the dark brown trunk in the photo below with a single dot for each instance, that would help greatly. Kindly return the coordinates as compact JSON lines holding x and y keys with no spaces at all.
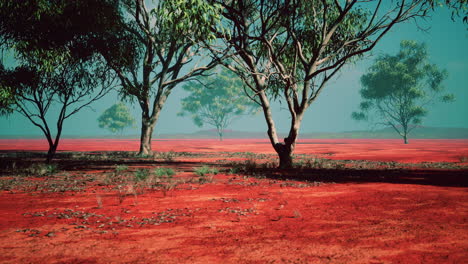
{"x":51,"y":152}
{"x":405,"y":139}
{"x":285,"y":155}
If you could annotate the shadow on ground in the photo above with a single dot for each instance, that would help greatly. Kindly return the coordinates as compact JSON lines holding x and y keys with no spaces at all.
{"x":436,"y":177}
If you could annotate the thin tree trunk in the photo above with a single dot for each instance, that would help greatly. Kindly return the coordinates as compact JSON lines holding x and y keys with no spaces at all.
{"x":405,"y":133}
{"x":146,"y":136}
{"x":220,"y":133}
{"x":51,"y":152}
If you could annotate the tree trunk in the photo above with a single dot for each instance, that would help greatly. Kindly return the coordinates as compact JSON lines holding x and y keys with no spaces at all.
{"x":283,"y":149}
{"x":51,"y":152}
{"x":146,"y":136}
{"x":405,"y":133}
{"x":405,"y":138}
{"x":285,"y":155}
{"x":220,"y":134}
{"x":53,"y":145}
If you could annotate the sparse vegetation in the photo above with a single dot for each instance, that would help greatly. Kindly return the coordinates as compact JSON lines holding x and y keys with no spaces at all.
{"x":121,"y":168}
{"x":142,"y":174}
{"x":164,"y":172}
{"x":205,"y":170}
{"x":42,"y":169}
{"x":205,"y":174}
{"x":166,"y":156}
{"x":463,"y":159}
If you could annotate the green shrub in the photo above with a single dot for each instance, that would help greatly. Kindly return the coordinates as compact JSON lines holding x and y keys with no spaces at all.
{"x":121,"y":168}
{"x":164,"y":172}
{"x":234,"y":170}
{"x":205,"y":170}
{"x":142,"y":174}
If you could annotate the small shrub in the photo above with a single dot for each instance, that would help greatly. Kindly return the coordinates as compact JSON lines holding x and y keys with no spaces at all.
{"x":206,"y":174}
{"x":141,"y":174}
{"x":234,"y":170}
{"x":42,"y":169}
{"x":164,"y":172}
{"x":121,"y":168}
{"x":250,"y":165}
{"x":205,"y":170}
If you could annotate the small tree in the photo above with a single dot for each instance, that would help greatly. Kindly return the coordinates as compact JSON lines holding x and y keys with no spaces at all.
{"x":55,"y":73}
{"x":116,"y":118}
{"x":68,"y":85}
{"x":218,"y":103}
{"x":399,"y":88}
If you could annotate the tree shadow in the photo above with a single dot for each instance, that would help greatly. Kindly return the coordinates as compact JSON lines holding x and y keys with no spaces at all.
{"x":436,"y":177}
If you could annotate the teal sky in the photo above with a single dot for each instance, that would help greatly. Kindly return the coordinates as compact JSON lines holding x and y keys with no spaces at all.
{"x":446,"y":41}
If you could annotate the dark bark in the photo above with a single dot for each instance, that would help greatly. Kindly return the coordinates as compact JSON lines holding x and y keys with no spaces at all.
{"x":284,"y":151}
{"x":51,"y":152}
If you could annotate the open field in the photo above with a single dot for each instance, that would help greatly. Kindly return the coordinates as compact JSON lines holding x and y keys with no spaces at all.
{"x":205,"y":201}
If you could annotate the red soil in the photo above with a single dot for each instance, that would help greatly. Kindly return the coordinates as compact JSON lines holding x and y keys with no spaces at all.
{"x":419,"y":150}
{"x":237,"y":220}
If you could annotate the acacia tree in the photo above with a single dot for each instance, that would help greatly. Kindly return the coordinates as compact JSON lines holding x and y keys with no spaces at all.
{"x":161,"y":46}
{"x":289,"y":50}
{"x":399,"y":88}
{"x":216,"y":100}
{"x":116,"y":118}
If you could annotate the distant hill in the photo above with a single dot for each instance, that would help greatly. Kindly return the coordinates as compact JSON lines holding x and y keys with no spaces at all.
{"x":421,"y":132}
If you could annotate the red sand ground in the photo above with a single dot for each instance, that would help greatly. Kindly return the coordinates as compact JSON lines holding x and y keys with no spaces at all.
{"x":237,"y":220}
{"x":419,"y":150}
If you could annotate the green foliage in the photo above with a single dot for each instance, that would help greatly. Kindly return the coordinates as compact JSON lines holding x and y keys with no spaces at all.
{"x":164,"y":172}
{"x":186,"y":20}
{"x":141,"y":174}
{"x":218,"y":101}
{"x":398,"y":88}
{"x":7,"y":94}
{"x":54,"y":63}
{"x":56,"y":25}
{"x":121,"y":168}
{"x":116,"y":118}
{"x":205,"y":170}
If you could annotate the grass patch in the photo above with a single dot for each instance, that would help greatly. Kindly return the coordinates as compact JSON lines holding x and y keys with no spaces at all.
{"x":161,"y":172}
{"x":205,"y":170}
{"x":141,"y":174}
{"x":205,"y":174}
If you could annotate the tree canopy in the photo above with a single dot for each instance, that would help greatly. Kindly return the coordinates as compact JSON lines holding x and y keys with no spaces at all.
{"x":116,"y":118}
{"x":217,"y":100}
{"x":52,"y":78}
{"x":161,"y":46}
{"x":289,"y":50}
{"x":398,"y":88}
